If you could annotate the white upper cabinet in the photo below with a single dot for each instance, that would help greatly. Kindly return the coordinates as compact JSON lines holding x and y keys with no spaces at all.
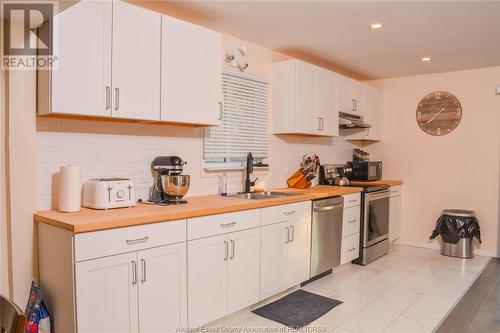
{"x":132,"y":63}
{"x":349,"y":95}
{"x":136,"y":62}
{"x":328,"y":120}
{"x":303,"y":99}
{"x":372,"y":113}
{"x":356,"y":94}
{"x":82,"y":83}
{"x":191,"y":68}
{"x":306,"y":88}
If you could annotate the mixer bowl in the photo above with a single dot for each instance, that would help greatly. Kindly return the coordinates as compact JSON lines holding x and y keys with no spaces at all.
{"x":175,"y":186}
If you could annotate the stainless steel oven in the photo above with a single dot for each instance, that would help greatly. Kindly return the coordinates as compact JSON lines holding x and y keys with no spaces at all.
{"x":374,"y":240}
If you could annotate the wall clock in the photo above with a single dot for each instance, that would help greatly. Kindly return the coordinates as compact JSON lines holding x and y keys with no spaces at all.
{"x":439,"y":113}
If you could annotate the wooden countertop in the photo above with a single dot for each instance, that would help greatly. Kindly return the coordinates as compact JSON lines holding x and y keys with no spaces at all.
{"x":88,"y":220}
{"x":377,"y":183}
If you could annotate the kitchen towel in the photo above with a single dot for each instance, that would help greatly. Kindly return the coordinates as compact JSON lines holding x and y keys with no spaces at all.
{"x":297,"y":309}
{"x":70,"y":189}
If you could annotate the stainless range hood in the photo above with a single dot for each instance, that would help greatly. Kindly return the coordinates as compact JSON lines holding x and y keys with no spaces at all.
{"x":351,"y":121}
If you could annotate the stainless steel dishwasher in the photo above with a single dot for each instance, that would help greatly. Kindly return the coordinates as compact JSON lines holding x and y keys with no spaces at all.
{"x":326,"y":235}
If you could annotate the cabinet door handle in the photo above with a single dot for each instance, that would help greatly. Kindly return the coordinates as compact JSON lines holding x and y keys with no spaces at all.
{"x":227,"y":225}
{"x":117,"y":98}
{"x":221,"y":110}
{"x":351,"y":249}
{"x":351,"y":221}
{"x":232,"y":249}
{"x":292,"y":230}
{"x":143,"y":262}
{"x":287,"y":235}
{"x":289,"y":213}
{"x":226,"y":251}
{"x":134,"y":272}
{"x":353,"y":104}
{"x":137,"y":240}
{"x":352,"y":200}
{"x":108,"y":98}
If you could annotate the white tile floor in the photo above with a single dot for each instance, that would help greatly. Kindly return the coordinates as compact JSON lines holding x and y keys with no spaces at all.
{"x":409,"y":290}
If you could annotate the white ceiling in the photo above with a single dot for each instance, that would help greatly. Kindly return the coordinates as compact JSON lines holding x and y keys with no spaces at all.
{"x":457,"y":35}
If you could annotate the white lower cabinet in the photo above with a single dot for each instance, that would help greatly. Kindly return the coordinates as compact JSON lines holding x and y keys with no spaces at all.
{"x":394,"y":213}
{"x":273,"y":263}
{"x":207,"y":280}
{"x":107,"y":294}
{"x":162,"y":288}
{"x":285,"y":255}
{"x":351,"y":224}
{"x":141,"y":291}
{"x":161,"y":277}
{"x":223,"y":275}
{"x":243,"y":269}
{"x":350,"y":249}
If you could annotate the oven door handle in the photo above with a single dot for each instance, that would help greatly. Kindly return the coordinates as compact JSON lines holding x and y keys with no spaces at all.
{"x":327,"y":208}
{"x":378,"y":195}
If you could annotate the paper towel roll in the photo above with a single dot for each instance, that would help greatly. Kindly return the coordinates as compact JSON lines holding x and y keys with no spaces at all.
{"x":70,"y":189}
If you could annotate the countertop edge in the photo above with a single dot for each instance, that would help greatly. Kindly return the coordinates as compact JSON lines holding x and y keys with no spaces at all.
{"x":155,"y":217}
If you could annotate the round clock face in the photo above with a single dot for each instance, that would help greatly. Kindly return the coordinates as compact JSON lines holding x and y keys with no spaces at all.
{"x":439,"y":113}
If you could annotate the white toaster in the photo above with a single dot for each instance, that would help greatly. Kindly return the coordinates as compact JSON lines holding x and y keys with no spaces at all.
{"x":105,"y":193}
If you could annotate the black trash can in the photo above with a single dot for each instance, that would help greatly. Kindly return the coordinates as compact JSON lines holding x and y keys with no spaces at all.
{"x":457,"y":229}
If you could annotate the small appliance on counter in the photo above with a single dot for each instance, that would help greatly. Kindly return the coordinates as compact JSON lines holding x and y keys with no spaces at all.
{"x":362,"y":168}
{"x":170,"y":185}
{"x":366,"y":170}
{"x":335,"y":174}
{"x":106,"y":193}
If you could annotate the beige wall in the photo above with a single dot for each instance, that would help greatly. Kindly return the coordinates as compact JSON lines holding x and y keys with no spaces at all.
{"x":20,"y":181}
{"x":458,"y":170}
{"x":4,"y":257}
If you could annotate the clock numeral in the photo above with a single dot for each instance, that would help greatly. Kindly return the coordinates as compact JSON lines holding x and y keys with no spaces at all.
{"x":438,"y":95}
{"x":438,"y":131}
{"x":419,"y":114}
{"x":459,"y":112}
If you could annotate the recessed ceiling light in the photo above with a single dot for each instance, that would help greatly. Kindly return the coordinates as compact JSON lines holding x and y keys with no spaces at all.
{"x":426,"y":59}
{"x":376,"y":26}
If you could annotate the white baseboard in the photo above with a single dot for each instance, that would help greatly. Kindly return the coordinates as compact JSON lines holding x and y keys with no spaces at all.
{"x":435,"y":246}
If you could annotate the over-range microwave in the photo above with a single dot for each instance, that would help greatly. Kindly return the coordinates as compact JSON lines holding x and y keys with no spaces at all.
{"x":366,"y":170}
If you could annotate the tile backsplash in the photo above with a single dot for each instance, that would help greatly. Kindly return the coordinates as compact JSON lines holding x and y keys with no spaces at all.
{"x":117,"y":149}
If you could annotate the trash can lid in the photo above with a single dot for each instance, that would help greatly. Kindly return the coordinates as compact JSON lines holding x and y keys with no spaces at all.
{"x":458,"y":212}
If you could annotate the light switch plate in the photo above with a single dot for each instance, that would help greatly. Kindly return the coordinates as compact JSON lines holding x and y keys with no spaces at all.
{"x":498,"y":90}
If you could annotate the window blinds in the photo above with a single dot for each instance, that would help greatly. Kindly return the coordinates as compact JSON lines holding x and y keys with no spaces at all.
{"x":244,"y":121}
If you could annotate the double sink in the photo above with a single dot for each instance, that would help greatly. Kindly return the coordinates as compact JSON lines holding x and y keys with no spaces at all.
{"x":262,"y":195}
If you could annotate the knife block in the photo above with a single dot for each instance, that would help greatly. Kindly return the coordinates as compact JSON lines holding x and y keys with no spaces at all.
{"x":298,"y":180}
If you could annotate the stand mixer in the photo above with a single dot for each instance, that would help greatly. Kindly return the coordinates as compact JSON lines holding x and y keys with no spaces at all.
{"x":170,"y":185}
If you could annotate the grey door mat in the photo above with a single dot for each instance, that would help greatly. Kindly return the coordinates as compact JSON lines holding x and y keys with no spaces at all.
{"x":297,"y":309}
